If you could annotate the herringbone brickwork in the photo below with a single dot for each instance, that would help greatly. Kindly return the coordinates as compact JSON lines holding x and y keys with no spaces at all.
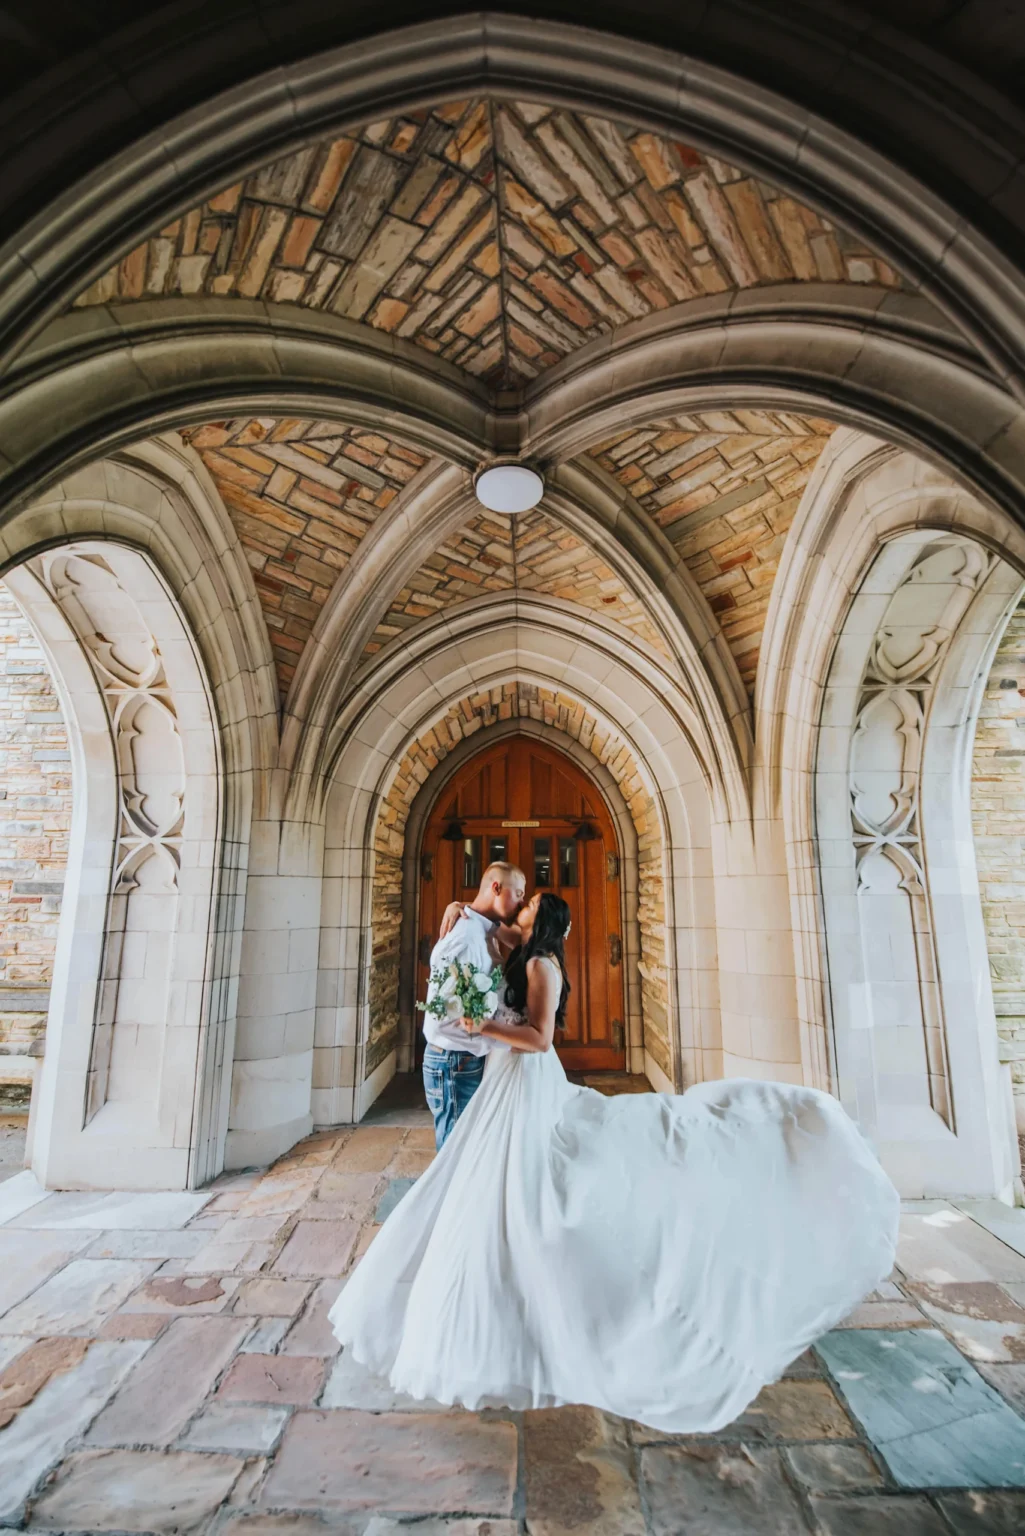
{"x":301,"y":495}
{"x":501,"y":236}
{"x":724,"y":486}
{"x":530,"y":553}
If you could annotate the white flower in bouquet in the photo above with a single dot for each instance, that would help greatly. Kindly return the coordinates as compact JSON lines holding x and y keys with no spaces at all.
{"x":482,"y":981}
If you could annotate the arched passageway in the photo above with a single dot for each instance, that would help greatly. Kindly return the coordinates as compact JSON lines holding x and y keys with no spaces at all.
{"x":765,"y":407}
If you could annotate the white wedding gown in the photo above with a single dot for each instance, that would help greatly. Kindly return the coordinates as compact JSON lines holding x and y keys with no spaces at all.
{"x":659,"y":1257}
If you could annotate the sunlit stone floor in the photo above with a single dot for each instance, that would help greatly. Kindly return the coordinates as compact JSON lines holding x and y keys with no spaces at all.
{"x":166,"y":1366}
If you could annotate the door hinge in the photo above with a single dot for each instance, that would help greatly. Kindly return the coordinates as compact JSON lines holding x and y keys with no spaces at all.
{"x":425,"y":949}
{"x":427,"y":866}
{"x":615,"y":949}
{"x":618,"y":1035}
{"x":612,"y":865}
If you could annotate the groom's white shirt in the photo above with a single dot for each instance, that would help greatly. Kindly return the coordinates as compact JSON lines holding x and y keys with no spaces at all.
{"x":472,"y":939}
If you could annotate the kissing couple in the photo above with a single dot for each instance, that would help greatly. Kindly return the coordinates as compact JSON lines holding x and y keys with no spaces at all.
{"x":658,"y":1256}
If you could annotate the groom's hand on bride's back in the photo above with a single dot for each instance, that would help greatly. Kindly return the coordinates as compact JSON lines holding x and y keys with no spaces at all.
{"x":451,"y":915}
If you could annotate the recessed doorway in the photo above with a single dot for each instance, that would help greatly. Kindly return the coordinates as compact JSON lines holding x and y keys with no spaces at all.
{"x":526,"y":803}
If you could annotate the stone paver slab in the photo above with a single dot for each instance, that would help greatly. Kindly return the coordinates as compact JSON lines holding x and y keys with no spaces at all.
{"x":978,"y":1338}
{"x":980,"y":1298}
{"x":26,"y":1375}
{"x":169,"y":1383}
{"x":247,"y":1429}
{"x":250,"y":1523}
{"x":382,"y":1525}
{"x":134,"y":1325}
{"x":1007,"y":1222}
{"x":369,"y":1150}
{"x":356,"y":1190}
{"x":418,"y":1463}
{"x":135,"y":1491}
{"x":12,"y":1346}
{"x":78,"y":1298}
{"x":351,"y":1385}
{"x":280,"y":1194}
{"x":218,"y":1257}
{"x":266,"y":1296}
{"x":929,"y":1414}
{"x":38,"y":1435}
{"x":391,"y":1197}
{"x":1009,"y":1381}
{"x":941,"y":1244}
{"x":708,"y":1488}
{"x":168,"y":1243}
{"x":805,"y":1365}
{"x":187,"y":1295}
{"x":984,"y":1514}
{"x":579,"y":1475}
{"x":318,"y":1249}
{"x":102,"y":1213}
{"x":253,"y":1378}
{"x":422,"y":1139}
{"x":19,"y":1194}
{"x":266,"y":1336}
{"x":884,"y":1515}
{"x":796,"y":1410}
{"x":833,"y":1468}
{"x":29,"y":1258}
{"x":410,"y":1162}
{"x":312,"y":1334}
{"x":885,"y":1314}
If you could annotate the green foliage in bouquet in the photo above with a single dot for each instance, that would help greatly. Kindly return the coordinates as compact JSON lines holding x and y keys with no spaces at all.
{"x":459,"y":989}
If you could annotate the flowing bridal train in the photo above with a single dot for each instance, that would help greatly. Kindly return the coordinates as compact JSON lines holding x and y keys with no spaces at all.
{"x":660,"y":1257}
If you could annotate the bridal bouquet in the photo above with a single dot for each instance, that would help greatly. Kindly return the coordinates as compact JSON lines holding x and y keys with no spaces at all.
{"x":462,"y":991}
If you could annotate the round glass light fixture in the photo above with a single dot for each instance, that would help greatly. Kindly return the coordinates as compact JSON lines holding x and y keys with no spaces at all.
{"x":509,"y":488}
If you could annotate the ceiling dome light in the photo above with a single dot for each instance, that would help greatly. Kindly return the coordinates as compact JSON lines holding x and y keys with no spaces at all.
{"x":509,"y":488}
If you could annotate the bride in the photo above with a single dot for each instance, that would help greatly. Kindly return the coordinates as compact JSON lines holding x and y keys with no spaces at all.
{"x":660,"y":1257}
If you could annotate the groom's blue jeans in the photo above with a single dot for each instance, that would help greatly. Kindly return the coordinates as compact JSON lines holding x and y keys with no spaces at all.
{"x":451,"y":1078}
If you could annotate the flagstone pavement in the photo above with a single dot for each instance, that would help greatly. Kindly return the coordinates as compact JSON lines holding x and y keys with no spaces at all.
{"x":166,"y":1366}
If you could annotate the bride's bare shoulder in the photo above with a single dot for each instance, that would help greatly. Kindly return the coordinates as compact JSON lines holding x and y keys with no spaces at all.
{"x":549,"y":962}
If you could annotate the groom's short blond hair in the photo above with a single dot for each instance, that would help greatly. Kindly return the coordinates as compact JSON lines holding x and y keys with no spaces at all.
{"x":505,"y":874}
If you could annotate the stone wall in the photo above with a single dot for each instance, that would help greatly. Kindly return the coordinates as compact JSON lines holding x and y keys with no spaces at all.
{"x":35,"y":819}
{"x":470,"y":716}
{"x":998,"y":821}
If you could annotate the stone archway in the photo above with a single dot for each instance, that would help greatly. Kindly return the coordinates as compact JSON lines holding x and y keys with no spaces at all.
{"x":120,"y":1091}
{"x":612,"y":765}
{"x":912,"y":1015}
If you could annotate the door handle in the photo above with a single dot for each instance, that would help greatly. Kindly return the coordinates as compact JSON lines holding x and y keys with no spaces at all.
{"x":425,"y":949}
{"x":615,"y":949}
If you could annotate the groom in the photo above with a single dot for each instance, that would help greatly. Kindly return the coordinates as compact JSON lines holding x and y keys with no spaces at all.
{"x":453,"y":1059}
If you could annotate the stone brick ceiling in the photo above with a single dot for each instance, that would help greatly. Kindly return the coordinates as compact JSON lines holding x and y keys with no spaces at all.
{"x":502,"y":236}
{"x":301,"y":495}
{"x":724,"y":486}
{"x":530,"y":553}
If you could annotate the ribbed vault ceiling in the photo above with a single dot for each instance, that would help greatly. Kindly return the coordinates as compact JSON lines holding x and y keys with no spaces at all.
{"x":499,"y":236}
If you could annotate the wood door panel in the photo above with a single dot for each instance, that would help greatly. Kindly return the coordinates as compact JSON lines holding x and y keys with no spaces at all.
{"x":521,"y":780}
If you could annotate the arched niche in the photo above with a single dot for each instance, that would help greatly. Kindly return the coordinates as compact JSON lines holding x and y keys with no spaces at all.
{"x":134,"y":997}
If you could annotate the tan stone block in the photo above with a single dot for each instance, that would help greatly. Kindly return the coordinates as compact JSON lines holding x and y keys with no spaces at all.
{"x":346,"y":1459}
{"x":255,"y":1378}
{"x":318,"y":1249}
{"x":23,"y":1378}
{"x":144,"y":1491}
{"x":797,"y":1410}
{"x":266,"y":1296}
{"x":579,"y":1475}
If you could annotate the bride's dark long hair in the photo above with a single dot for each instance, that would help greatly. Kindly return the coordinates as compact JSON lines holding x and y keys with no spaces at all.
{"x":551,"y":924}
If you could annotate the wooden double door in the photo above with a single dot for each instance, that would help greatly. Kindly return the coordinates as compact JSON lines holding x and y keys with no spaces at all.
{"x":525,"y":803}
